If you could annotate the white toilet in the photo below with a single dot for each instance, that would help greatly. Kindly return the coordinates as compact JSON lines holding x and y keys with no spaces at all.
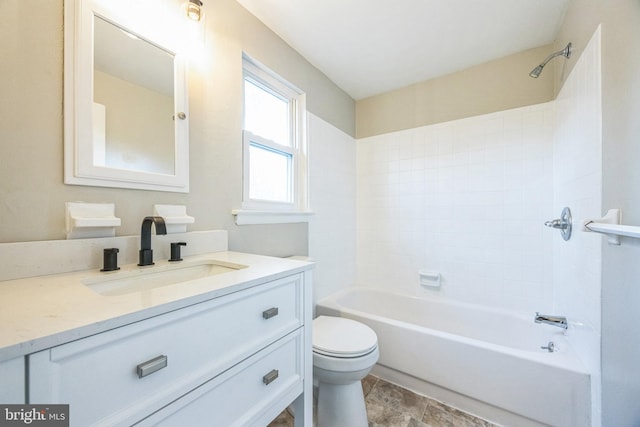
{"x":344,"y":351}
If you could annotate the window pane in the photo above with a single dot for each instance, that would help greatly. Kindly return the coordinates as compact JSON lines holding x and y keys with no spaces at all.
{"x":270,"y":173}
{"x":266,"y":114}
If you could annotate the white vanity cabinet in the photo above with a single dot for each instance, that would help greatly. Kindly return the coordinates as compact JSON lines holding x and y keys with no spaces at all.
{"x":12,"y":377}
{"x":238,"y":359}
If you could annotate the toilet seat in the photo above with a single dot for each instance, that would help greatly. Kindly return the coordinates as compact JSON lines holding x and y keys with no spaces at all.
{"x":342,"y":338}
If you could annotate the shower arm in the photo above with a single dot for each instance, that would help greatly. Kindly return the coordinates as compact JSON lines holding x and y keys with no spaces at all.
{"x":566,"y":52}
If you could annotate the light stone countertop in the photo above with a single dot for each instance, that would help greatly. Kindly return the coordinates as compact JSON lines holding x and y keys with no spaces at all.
{"x":37,"y":313}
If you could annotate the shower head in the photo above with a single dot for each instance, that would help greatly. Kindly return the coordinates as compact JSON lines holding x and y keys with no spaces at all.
{"x":535,"y":73}
{"x":566,"y":52}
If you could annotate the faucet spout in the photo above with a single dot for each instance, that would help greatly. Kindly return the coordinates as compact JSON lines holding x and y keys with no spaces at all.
{"x":559,"y":321}
{"x":146,"y":253}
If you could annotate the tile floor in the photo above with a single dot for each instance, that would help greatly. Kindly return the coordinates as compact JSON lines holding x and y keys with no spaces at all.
{"x":389,"y":405}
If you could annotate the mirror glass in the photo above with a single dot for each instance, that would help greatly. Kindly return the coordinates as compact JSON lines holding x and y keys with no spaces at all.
{"x":132,"y":101}
{"x":125,"y":99}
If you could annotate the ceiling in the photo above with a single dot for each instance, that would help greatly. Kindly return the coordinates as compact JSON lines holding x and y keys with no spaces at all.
{"x":369,"y":47}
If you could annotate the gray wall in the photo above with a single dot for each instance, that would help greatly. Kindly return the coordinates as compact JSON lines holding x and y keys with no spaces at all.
{"x":497,"y":85}
{"x":32,"y":193}
{"x":621,"y":178}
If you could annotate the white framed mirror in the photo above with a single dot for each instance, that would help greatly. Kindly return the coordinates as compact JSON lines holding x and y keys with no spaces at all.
{"x":126,"y":101}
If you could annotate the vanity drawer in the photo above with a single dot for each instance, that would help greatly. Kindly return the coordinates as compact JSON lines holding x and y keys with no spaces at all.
{"x":118,"y":377}
{"x":251,"y":393}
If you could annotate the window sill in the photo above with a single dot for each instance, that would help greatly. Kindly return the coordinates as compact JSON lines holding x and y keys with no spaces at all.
{"x":249,"y":217}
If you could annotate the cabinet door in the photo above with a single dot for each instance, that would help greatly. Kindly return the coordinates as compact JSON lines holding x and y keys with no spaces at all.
{"x":120,"y":376}
{"x":12,"y":384}
{"x":252,"y":393}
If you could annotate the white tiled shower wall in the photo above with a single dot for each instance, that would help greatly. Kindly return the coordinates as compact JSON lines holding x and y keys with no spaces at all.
{"x":465,"y":198}
{"x":332,"y":228}
{"x":578,"y":184}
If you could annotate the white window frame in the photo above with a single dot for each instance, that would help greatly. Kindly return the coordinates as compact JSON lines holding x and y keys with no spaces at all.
{"x":255,"y":211}
{"x":249,"y":139}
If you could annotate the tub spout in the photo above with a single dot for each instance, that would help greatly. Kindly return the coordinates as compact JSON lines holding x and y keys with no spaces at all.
{"x":559,"y":321}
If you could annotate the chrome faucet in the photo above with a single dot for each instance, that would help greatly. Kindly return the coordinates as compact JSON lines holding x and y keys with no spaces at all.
{"x":146,"y":254}
{"x":559,"y":321}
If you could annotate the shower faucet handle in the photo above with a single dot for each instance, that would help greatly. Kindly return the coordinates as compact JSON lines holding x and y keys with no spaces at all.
{"x":563,"y":224}
{"x":556,"y":223}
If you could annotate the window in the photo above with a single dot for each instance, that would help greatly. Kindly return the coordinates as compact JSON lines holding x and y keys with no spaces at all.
{"x":274,"y":146}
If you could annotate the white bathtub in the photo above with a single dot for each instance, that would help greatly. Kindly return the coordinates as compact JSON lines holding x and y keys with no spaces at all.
{"x":487,"y":362}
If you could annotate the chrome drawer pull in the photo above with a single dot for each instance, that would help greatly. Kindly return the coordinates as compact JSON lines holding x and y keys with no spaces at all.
{"x":151,"y":366}
{"x":272,"y":312}
{"x":270,"y":377}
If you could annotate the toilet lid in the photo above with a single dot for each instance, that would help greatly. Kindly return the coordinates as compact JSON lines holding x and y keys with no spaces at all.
{"x":340,"y":337}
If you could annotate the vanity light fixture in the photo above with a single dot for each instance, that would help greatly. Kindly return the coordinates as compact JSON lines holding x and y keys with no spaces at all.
{"x":194,"y":10}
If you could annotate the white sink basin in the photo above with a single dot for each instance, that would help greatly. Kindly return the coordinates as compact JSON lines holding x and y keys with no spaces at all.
{"x":146,"y":278}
